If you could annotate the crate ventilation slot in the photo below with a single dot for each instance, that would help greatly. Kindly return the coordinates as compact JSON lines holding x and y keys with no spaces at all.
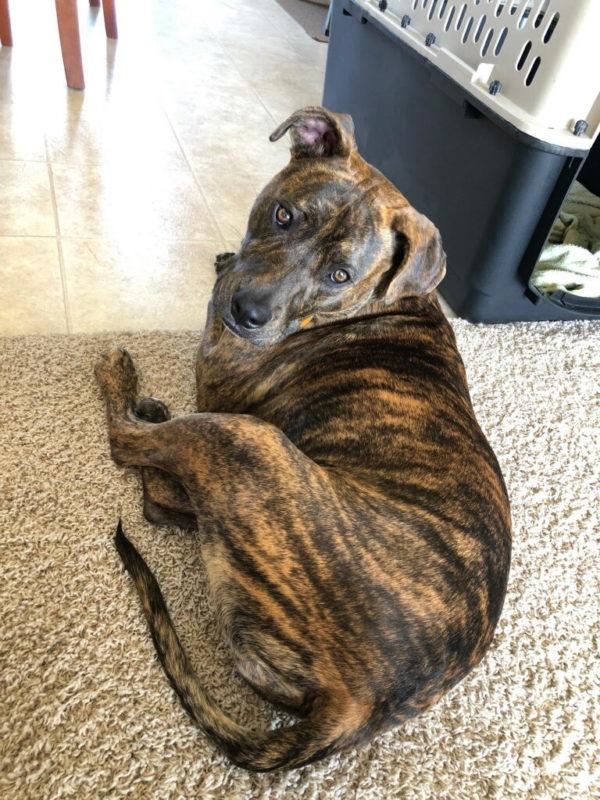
{"x":534,"y":62}
{"x":483,"y":28}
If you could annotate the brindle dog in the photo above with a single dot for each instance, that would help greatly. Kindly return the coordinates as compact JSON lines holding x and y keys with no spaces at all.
{"x":352,"y":516}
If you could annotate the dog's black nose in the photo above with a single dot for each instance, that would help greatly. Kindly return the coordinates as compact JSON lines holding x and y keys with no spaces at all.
{"x":247,"y":311}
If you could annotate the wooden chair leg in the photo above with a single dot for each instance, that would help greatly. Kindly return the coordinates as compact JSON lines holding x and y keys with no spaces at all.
{"x":5,"y":30}
{"x":110,"y":18}
{"x":68,"y":30}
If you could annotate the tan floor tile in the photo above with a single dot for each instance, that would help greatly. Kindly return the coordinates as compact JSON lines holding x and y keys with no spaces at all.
{"x":278,"y":59}
{"x":191,"y":99}
{"x":312,"y":53}
{"x":25,"y":199}
{"x":31,"y":295}
{"x":21,"y":132}
{"x":275,"y":61}
{"x":131,"y":200}
{"x":179,"y":89}
{"x":230,"y":132}
{"x":137,"y":284}
{"x":260,"y":160}
{"x":230,"y":195}
{"x":198,"y":65}
{"x":93,"y":130}
{"x":239,"y":18}
{"x":302,"y":90}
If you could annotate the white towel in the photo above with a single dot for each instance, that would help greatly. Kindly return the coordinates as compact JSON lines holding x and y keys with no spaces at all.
{"x":570,"y":260}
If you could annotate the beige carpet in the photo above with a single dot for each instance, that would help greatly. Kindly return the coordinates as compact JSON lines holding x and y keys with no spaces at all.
{"x":85,"y":709}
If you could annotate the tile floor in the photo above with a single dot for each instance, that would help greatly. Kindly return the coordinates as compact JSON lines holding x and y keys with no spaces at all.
{"x":113,"y":201}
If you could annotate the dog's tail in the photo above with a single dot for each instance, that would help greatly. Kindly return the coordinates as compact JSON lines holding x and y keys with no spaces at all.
{"x":316,"y":736}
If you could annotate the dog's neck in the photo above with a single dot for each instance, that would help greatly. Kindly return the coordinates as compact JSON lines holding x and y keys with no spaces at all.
{"x":218,"y":341}
{"x":423,"y":306}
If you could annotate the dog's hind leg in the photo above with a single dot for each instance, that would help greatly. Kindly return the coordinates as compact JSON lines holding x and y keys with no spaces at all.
{"x":267,"y":515}
{"x":165,"y":500}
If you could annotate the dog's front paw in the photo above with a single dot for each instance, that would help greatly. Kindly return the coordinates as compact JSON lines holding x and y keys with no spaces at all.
{"x":117,"y":378}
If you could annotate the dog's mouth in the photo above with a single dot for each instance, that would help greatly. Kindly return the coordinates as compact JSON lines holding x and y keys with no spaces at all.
{"x":232,"y":327}
{"x":257,"y":337}
{"x":250,"y":335}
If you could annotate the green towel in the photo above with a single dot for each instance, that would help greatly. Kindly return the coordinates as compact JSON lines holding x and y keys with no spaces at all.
{"x":570,"y":261}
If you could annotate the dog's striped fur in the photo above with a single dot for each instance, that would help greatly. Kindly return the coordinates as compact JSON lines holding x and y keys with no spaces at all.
{"x":352,"y":516}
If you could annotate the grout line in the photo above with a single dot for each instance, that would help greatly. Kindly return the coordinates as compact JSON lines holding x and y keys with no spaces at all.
{"x":27,"y":235}
{"x":192,"y":172}
{"x":38,"y":161}
{"x":283,"y":37}
{"x":247,"y":82}
{"x":195,"y":177}
{"x":286,"y":35}
{"x":114,"y":238}
{"x":61,"y":258}
{"x":219,"y":227}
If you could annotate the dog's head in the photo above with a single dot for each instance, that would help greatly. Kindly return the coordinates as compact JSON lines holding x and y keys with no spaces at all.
{"x":327,"y":238}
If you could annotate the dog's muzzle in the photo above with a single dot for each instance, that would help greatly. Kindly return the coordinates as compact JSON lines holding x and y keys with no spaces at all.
{"x":248,"y":311}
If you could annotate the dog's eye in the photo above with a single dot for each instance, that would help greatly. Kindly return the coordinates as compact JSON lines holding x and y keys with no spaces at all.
{"x":283,"y":217}
{"x":339,"y":276}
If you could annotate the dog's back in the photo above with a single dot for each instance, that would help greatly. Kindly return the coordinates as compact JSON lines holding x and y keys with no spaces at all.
{"x":382,"y":402}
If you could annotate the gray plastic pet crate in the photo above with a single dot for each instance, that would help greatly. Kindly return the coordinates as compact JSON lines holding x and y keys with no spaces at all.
{"x":482,"y":113}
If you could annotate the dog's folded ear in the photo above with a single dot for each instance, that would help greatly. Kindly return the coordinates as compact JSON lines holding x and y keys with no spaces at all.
{"x":419,"y":261}
{"x":316,"y":132}
{"x":222,"y":260}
